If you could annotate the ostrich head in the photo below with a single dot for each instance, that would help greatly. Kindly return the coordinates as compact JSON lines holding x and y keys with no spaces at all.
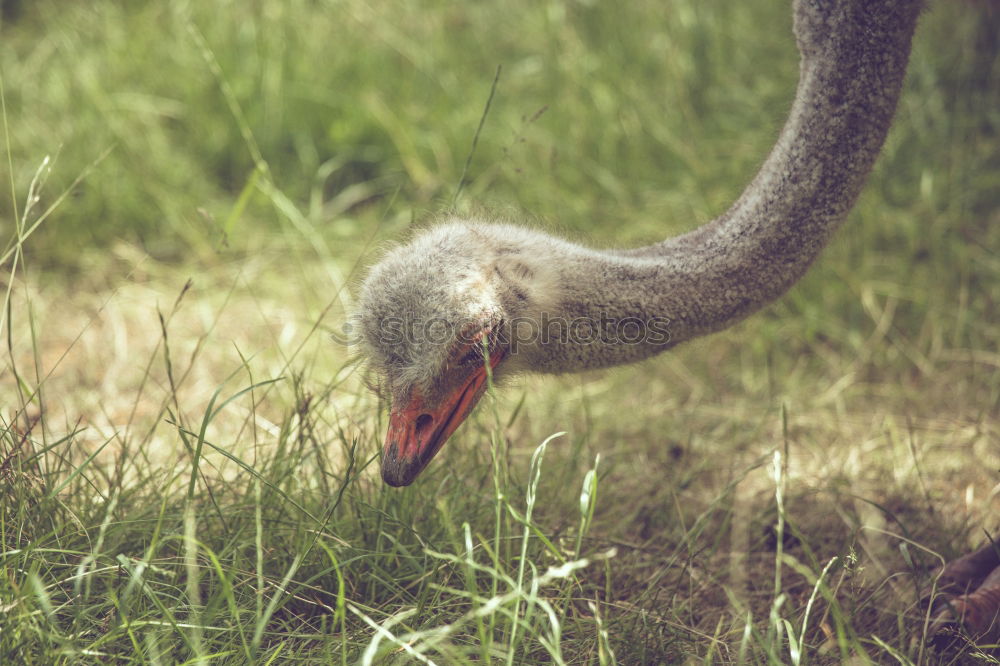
{"x":435,"y":320}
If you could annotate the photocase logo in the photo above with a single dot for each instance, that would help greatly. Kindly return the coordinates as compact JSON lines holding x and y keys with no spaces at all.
{"x":545,"y":330}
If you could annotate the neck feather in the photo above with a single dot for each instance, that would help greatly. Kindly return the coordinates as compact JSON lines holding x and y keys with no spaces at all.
{"x":854,"y":57}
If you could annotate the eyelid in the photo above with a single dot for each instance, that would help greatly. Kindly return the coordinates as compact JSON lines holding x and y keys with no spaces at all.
{"x":475,"y":352}
{"x":474,"y":355}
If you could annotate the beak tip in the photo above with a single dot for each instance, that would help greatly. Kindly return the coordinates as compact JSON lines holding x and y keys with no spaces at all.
{"x":395,"y":480}
{"x":397,"y":472}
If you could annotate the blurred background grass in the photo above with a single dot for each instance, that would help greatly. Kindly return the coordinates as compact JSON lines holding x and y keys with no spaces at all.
{"x":620,"y":126}
{"x":267,"y":148}
{"x":625,"y":125}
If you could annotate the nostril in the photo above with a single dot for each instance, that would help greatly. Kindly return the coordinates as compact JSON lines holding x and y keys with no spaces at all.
{"x":424,"y":421}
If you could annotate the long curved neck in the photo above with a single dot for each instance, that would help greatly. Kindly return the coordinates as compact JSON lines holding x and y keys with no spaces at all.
{"x":854,"y":56}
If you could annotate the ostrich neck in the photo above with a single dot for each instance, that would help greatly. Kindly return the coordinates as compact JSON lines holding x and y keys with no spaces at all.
{"x":854,"y":57}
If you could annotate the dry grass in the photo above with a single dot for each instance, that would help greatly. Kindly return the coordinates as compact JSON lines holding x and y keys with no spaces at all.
{"x":884,"y":472}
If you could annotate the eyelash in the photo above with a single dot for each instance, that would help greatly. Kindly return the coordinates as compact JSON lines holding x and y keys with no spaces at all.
{"x":475,"y":355}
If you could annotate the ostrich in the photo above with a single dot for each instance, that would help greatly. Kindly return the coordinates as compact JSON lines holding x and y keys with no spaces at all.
{"x":467,"y":299}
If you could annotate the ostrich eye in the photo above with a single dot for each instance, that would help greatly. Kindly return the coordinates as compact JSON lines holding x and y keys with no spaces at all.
{"x":473,"y":357}
{"x":474,"y":353}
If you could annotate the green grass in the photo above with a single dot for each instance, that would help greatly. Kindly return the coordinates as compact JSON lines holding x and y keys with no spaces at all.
{"x":188,"y":463}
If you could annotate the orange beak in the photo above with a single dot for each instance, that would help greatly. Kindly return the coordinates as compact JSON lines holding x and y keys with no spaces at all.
{"x":418,"y":429}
